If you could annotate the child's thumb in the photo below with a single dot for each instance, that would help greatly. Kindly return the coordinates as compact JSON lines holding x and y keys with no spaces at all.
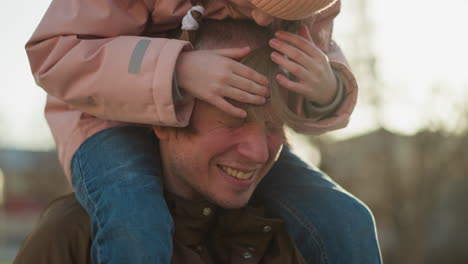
{"x":233,"y":53}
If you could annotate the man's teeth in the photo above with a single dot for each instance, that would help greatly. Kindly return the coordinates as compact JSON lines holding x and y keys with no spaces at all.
{"x":237,"y":174}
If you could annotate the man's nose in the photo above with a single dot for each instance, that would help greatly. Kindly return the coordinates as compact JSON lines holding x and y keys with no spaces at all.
{"x":261,"y":18}
{"x":253,"y":144}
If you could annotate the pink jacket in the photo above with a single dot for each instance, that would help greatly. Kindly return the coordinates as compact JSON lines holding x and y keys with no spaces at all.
{"x":108,"y":63}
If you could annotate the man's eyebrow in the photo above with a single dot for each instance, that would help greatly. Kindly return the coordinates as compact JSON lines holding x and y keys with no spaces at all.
{"x":233,"y":120}
{"x":229,"y":119}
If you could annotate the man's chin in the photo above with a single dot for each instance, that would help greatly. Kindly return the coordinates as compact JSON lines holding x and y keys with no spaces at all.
{"x":234,"y":203}
{"x":233,"y":206}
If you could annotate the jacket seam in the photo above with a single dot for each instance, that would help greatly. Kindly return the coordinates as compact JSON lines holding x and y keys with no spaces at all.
{"x":89,"y":199}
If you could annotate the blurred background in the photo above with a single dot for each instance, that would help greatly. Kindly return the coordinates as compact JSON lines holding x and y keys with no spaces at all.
{"x":404,"y":153}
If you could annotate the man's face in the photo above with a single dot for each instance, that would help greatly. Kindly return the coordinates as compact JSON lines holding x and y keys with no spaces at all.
{"x":223,"y":160}
{"x":247,"y":9}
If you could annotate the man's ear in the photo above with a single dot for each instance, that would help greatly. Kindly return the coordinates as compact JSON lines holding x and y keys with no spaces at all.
{"x":161,"y":132}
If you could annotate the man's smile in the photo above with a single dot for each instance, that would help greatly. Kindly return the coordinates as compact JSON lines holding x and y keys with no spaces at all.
{"x":236,"y":173}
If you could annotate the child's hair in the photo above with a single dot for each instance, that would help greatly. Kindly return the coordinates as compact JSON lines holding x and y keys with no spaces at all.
{"x":230,"y":33}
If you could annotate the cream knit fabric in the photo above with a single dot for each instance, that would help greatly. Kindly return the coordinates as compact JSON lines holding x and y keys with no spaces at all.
{"x":291,"y":9}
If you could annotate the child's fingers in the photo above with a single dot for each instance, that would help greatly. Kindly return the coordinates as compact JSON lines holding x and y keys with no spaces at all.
{"x":293,"y":53}
{"x":233,"y":53}
{"x":307,"y":46}
{"x":291,"y":85}
{"x":227,"y":107}
{"x":296,"y":69}
{"x":243,"y":96}
{"x":250,"y":74}
{"x":248,"y":86}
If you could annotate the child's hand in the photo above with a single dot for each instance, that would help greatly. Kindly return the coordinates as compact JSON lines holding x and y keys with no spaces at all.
{"x":308,"y":63}
{"x":214,"y":75}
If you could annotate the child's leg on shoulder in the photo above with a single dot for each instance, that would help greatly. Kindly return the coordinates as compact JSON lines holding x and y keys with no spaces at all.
{"x":328,"y":224}
{"x":116,"y":177}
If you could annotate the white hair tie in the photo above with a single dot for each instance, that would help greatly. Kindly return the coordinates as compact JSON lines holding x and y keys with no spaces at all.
{"x":188,"y":22}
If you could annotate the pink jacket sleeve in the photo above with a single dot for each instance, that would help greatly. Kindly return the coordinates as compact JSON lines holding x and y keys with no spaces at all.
{"x":88,"y":54}
{"x":321,"y":28}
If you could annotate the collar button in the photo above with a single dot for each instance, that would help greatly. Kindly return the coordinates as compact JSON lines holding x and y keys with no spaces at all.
{"x":206,"y":211}
{"x":266,"y":229}
{"x":247,"y":255}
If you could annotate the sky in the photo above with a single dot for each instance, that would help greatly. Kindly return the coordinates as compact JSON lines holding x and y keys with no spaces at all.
{"x":420,"y":45}
{"x":22,"y":124}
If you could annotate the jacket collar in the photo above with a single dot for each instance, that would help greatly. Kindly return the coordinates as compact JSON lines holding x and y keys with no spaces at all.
{"x":198,"y":221}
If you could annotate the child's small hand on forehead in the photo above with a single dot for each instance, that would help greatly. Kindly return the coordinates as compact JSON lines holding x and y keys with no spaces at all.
{"x":214,"y":75}
{"x":316,"y":79}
